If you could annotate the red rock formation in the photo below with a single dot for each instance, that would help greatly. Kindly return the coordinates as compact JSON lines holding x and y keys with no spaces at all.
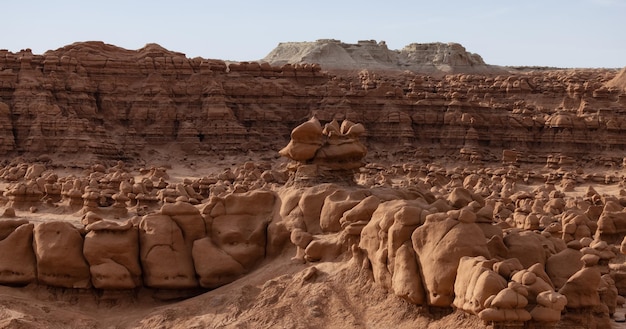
{"x":95,"y":98}
{"x":431,"y":235}
{"x":112,"y":251}
{"x":17,"y":258}
{"x":59,"y":250}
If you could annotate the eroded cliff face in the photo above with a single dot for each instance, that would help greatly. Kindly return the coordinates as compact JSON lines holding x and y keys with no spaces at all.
{"x":94,"y":98}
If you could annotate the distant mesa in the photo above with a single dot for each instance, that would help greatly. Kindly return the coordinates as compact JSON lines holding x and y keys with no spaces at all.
{"x":333,"y":54}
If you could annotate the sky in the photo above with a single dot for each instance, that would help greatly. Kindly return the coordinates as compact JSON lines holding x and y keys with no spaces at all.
{"x":559,"y":33}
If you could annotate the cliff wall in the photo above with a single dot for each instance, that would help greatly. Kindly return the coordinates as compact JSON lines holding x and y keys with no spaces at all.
{"x":95,"y":98}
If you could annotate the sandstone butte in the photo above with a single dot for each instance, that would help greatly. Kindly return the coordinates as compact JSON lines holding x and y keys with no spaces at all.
{"x":329,"y":185}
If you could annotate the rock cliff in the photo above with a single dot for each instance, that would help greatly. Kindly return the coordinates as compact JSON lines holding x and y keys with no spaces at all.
{"x":91,"y":98}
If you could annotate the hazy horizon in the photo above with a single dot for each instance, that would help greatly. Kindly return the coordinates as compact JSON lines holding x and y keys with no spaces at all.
{"x":557,"y":33}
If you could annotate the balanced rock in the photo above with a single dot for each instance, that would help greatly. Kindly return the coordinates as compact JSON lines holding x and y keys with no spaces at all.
{"x":306,"y":139}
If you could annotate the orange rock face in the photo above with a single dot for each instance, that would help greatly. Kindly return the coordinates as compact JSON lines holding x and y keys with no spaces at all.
{"x":95,"y":98}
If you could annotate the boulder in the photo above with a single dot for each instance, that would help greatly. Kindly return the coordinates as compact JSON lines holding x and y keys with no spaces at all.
{"x":526,"y":246}
{"x":311,"y":204}
{"x":253,"y":202}
{"x":460,"y":197}
{"x":362,"y":212}
{"x":507,"y":306}
{"x":323,"y":247}
{"x":562,"y":266}
{"x":549,"y":307}
{"x":335,"y":205}
{"x":306,"y":139}
{"x":214,"y":266}
{"x":475,"y":282}
{"x":390,"y":227}
{"x":59,"y":252}
{"x":112,"y":252}
{"x":242,"y":237}
{"x":18,"y":265}
{"x":188,"y":219}
{"x":406,"y":282}
{"x":440,"y":245}
{"x":581,"y":289}
{"x":165,"y":257}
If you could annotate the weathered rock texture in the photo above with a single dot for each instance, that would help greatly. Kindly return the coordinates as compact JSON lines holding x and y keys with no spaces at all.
{"x":332,"y":154}
{"x":369,"y":54}
{"x":513,"y":243}
{"x":95,"y":98}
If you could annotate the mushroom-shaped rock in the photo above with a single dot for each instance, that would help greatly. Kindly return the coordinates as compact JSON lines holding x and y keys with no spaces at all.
{"x":306,"y":139}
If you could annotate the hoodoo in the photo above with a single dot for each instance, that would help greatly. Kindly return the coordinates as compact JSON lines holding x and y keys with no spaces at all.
{"x":331,"y":185}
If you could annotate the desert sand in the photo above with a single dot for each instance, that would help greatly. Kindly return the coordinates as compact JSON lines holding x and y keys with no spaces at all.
{"x":328,"y":186}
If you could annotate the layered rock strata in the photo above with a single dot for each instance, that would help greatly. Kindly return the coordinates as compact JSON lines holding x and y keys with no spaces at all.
{"x":95,"y":98}
{"x":433,"y":58}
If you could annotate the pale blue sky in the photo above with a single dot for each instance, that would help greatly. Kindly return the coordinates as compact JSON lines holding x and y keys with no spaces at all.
{"x":563,"y":33}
